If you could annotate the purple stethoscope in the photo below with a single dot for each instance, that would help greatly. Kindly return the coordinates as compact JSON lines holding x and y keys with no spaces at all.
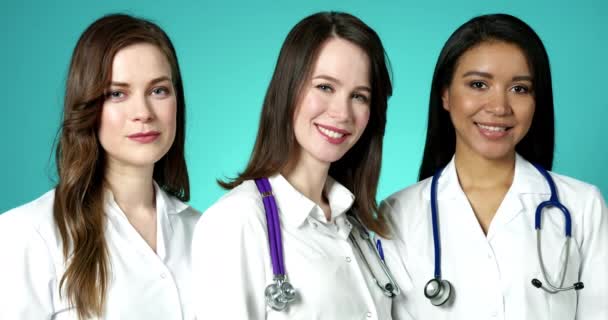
{"x":281,"y":293}
{"x":439,"y":290}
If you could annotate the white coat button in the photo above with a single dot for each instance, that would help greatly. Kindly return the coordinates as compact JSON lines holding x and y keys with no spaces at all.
{"x":347,"y":259}
{"x":369,"y":314}
{"x":315,"y":225}
{"x":163,"y":275}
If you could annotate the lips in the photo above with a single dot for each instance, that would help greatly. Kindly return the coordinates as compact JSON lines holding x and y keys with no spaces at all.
{"x":493,"y":130}
{"x":144,"y":137}
{"x":332,"y":134}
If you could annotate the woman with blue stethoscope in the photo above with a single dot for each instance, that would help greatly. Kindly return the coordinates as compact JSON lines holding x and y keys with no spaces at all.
{"x":488,"y":233}
{"x":290,"y":240}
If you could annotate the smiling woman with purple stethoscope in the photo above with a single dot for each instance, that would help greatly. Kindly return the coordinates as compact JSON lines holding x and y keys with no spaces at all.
{"x":309,"y":188}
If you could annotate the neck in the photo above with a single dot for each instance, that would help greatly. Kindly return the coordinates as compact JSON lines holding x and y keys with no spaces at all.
{"x":475,"y":171}
{"x":132,"y":187}
{"x":308,"y":176}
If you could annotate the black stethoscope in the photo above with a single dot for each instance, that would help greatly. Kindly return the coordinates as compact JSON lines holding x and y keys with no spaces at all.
{"x":281,"y":293}
{"x":439,"y":290}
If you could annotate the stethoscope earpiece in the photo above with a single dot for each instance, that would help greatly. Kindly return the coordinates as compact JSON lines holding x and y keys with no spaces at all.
{"x":438,"y":291}
{"x":538,"y":284}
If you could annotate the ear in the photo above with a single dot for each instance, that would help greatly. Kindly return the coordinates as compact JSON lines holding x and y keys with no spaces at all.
{"x":445,"y":99}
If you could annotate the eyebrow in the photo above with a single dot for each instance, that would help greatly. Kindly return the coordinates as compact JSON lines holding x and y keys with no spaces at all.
{"x":152,"y":82}
{"x":490,"y":76}
{"x":332,"y":79}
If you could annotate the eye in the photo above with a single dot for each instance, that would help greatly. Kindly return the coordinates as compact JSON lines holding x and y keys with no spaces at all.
{"x":325,"y":87}
{"x":115,"y":95}
{"x":361,"y":98}
{"x":477,"y":85}
{"x":521,"y":89}
{"x":160,"y":91}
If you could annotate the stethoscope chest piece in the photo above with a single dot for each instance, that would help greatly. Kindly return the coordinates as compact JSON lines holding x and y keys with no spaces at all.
{"x":279,"y":294}
{"x":438,"y":291}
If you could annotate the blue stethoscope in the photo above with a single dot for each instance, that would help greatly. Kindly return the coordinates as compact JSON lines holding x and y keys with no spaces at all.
{"x":439,"y":290}
{"x":281,"y":293}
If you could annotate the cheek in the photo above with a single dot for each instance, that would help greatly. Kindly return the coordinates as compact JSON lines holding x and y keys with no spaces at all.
{"x":167,"y":113}
{"x":524,"y":112}
{"x":362,"y":118}
{"x":530,"y":114}
{"x":464,"y":107}
{"x":309,"y":107}
{"x":461,"y":104}
{"x":112,"y":119}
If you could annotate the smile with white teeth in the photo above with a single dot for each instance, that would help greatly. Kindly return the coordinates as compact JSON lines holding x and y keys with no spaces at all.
{"x":491,"y":128}
{"x":331,"y":133}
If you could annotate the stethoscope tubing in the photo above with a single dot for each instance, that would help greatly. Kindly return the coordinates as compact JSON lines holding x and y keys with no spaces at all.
{"x":377,"y":250}
{"x":552,"y":202}
{"x":435,"y":224}
{"x":275,"y":241}
{"x":272,"y":224}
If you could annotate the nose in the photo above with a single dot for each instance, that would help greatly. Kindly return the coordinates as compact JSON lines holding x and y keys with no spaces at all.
{"x":340,"y":109}
{"x":142,"y":111}
{"x":499,"y":103}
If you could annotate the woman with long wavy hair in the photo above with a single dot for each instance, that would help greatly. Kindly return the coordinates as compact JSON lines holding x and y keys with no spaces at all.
{"x":112,"y":239}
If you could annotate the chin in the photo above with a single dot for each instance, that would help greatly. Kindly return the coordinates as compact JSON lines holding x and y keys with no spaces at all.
{"x":328,"y":157}
{"x":496,"y":153}
{"x":141,"y":160}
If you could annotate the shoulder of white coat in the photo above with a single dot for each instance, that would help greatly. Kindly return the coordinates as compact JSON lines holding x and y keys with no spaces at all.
{"x":31,"y":227}
{"x":240,"y":207}
{"x":403,"y":208}
{"x":568,"y":187}
{"x":577,"y":195}
{"x":401,"y":201}
{"x":36,"y":215}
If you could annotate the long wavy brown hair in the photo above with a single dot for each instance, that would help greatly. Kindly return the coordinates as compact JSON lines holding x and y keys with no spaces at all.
{"x":275,"y":146}
{"x":78,"y":208}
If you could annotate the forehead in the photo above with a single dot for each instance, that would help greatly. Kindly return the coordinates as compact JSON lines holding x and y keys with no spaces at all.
{"x":494,"y":57}
{"x":343,"y":60}
{"x":140,"y":61}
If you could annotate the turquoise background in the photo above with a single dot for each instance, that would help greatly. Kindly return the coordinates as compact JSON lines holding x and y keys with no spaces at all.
{"x":228,"y":49}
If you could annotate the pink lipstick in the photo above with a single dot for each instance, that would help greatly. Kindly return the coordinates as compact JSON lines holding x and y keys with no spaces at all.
{"x":144,"y":137}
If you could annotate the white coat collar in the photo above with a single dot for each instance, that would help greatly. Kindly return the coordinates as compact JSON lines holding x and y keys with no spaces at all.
{"x":295,"y":208}
{"x":166,"y":205}
{"x":526,"y":180}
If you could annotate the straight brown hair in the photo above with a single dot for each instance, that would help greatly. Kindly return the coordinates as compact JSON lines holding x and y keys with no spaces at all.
{"x":79,"y":195}
{"x":275,"y":145}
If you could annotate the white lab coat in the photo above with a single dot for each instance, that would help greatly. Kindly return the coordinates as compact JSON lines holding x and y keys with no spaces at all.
{"x":492,"y":274}
{"x":143,"y":284}
{"x":232,"y":266}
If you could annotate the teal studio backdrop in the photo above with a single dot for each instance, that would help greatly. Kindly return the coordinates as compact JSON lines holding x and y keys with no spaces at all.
{"x":228,"y":49}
